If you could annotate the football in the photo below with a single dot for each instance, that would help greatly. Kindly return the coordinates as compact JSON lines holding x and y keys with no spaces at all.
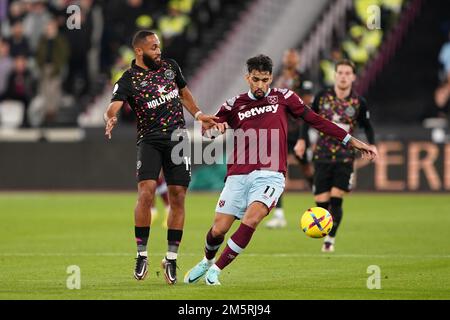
{"x":316,"y":222}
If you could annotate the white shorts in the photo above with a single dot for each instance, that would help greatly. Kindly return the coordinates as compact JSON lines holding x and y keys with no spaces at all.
{"x":242,"y":190}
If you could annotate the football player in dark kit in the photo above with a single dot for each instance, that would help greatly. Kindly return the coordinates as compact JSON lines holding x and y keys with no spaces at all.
{"x":156,"y":91}
{"x":333,"y":162}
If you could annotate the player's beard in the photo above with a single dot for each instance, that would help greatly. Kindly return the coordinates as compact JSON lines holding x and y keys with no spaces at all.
{"x":150,"y":62}
{"x":259,"y":94}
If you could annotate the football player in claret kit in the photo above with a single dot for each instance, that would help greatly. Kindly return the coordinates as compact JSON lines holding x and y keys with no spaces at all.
{"x":253,"y":186}
{"x":156,"y":91}
{"x":333,"y":161}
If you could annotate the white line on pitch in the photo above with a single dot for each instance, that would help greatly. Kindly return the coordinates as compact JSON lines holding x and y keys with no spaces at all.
{"x":276,"y":255}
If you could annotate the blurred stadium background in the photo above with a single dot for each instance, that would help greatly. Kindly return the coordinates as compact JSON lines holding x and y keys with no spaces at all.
{"x":56,"y":81}
{"x":53,"y":93}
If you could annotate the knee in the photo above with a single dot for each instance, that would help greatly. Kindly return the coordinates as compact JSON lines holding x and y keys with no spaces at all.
{"x":217,"y":232}
{"x":176,"y":197}
{"x":145,"y":198}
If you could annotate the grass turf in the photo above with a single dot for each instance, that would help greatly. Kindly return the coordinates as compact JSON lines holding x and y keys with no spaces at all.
{"x":41,"y":234}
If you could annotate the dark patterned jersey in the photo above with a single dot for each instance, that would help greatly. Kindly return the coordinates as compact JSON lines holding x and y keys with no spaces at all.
{"x":154,"y":97}
{"x":267,"y":119}
{"x":347,"y":114}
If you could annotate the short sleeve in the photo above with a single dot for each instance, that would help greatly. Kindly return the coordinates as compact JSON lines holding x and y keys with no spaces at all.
{"x":179,"y":78}
{"x":122,"y":89}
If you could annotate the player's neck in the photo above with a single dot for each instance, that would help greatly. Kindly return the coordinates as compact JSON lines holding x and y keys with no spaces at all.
{"x":141,"y":64}
{"x":342,"y":94}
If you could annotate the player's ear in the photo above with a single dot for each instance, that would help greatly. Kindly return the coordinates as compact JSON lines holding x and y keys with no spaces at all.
{"x":247,"y":78}
{"x":138,"y":51}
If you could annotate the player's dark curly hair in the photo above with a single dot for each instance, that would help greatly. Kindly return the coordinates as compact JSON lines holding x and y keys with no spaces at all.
{"x":260,"y":63}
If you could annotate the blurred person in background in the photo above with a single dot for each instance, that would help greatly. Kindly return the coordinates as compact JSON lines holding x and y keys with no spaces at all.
{"x":441,"y":101}
{"x":80,"y":44}
{"x":17,"y":41}
{"x":291,"y":78}
{"x":52,"y":56}
{"x":328,"y":65}
{"x":6,"y":65}
{"x":173,"y":24}
{"x":35,"y":21}
{"x":354,"y":47}
{"x":16,"y":12}
{"x":444,"y":60}
{"x":20,"y":86}
{"x":3,"y":10}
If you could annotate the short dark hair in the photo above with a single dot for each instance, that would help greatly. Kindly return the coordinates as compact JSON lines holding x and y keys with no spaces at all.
{"x":346,"y":62}
{"x":140,"y":36}
{"x":260,"y":63}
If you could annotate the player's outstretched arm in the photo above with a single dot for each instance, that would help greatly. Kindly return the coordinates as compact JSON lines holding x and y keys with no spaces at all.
{"x":208,"y":121}
{"x":110,"y":117}
{"x":331,"y":129}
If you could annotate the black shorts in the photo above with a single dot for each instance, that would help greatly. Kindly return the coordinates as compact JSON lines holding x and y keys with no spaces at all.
{"x":329,"y":175}
{"x":152,"y":155}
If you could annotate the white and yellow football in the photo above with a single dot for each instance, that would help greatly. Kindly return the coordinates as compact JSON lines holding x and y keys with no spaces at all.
{"x":316,"y":222}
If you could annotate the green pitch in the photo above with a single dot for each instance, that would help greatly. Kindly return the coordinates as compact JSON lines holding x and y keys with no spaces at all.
{"x":406,"y":236}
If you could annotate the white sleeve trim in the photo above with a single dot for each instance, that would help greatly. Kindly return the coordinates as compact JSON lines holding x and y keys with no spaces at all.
{"x":290,"y":93}
{"x":346,"y":139}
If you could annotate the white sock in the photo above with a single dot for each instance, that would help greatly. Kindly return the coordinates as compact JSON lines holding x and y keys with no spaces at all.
{"x":329,"y":239}
{"x":279,"y":213}
{"x":171,"y":255}
{"x":215,"y":267}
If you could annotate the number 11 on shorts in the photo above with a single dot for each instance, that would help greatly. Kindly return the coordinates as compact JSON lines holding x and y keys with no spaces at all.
{"x":187,"y":162}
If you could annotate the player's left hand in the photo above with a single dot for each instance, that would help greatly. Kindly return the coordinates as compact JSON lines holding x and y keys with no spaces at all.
{"x":208,"y":121}
{"x":368,"y":152}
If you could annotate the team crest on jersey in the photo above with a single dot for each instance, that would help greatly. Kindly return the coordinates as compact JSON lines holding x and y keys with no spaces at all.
{"x":221,"y":203}
{"x":169,"y":74}
{"x":272,"y":99}
{"x":350,"y":111}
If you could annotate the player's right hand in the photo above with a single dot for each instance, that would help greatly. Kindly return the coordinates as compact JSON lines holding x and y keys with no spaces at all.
{"x":110,"y":124}
{"x":300,"y":148}
{"x":208,"y":121}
